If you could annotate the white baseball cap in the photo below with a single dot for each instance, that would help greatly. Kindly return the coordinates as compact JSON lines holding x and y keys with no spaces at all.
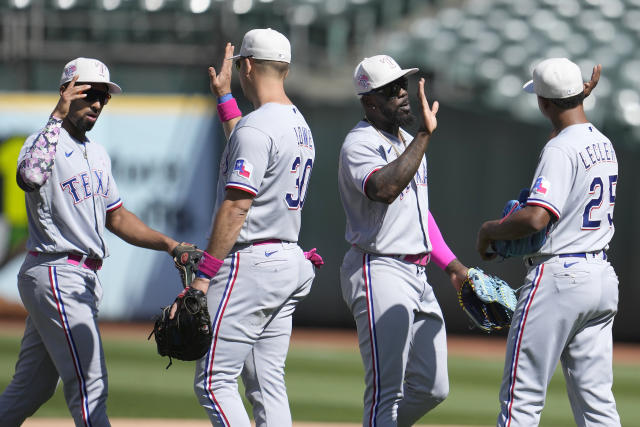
{"x":555,"y":78}
{"x":376,"y":72}
{"x":265,"y":43}
{"x":89,"y":70}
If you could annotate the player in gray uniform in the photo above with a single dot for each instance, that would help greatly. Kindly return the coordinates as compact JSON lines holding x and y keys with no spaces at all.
{"x":566,"y":308}
{"x":70,"y":196}
{"x":253,"y":270}
{"x":382,"y":180}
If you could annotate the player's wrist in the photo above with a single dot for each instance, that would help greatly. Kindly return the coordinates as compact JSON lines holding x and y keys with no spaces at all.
{"x":202,"y":275}
{"x":57,"y":117}
{"x":200,"y":284}
{"x":228,"y":109}
{"x":208,"y":267}
{"x":226,"y":96}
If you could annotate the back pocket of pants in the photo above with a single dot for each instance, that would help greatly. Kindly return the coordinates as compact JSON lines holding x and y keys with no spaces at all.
{"x":569,"y":279}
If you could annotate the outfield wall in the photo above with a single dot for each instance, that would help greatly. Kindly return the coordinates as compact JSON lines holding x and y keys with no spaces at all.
{"x":165,"y":152}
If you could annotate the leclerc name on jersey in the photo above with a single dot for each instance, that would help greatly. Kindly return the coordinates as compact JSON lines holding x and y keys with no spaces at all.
{"x":594,"y":154}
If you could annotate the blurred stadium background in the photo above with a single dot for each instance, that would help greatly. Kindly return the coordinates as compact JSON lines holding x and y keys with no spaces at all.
{"x":475,"y":55}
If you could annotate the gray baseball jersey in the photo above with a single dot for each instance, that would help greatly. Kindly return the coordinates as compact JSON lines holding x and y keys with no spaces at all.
{"x":398,"y":228}
{"x":576,"y":181}
{"x":72,"y":191}
{"x":252,"y":298}
{"x":270,"y":155}
{"x":400,"y":326}
{"x":566,"y":308}
{"x":67,"y":214}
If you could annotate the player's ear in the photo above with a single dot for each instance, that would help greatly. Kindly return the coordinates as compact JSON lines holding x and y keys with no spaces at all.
{"x":368,"y":102}
{"x":543,"y":105}
{"x":248,"y":62}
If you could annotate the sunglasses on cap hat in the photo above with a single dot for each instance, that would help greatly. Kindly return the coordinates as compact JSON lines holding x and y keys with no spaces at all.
{"x":392,"y":89}
{"x":94,"y":95}
{"x":238,"y":62}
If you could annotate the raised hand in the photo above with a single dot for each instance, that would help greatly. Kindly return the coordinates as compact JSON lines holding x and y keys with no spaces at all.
{"x":595,"y":76}
{"x":429,"y":121}
{"x":67,"y":95}
{"x":220,"y":84}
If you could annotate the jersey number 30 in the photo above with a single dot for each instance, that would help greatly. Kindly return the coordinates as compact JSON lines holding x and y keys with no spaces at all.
{"x":295,"y":200}
{"x":597,"y":190}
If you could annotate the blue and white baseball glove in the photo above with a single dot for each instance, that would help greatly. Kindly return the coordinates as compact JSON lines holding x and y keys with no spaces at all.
{"x":519,"y":247}
{"x":487,"y":300}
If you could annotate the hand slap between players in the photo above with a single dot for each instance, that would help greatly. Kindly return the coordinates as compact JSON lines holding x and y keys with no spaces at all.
{"x":429,"y":121}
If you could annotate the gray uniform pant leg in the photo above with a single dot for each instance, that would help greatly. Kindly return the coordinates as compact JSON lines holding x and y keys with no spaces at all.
{"x":33,"y":383}
{"x":588,"y":358}
{"x":251,"y":302}
{"x":401,"y":336}
{"x":62,"y":301}
{"x":563,"y":314}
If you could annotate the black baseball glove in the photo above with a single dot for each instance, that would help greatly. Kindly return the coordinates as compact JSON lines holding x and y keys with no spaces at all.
{"x":188,"y":335}
{"x":186,"y":258}
{"x":487,"y":300}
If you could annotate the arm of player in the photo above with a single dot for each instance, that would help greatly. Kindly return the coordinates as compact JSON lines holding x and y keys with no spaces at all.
{"x":522,"y":223}
{"x":387,"y":183}
{"x":226,"y":228}
{"x":220,"y":85}
{"x":131,"y":229}
{"x":444,"y":257}
{"x":35,"y":168}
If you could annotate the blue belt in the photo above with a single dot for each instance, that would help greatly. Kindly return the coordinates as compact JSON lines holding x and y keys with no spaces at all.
{"x":530,"y":261}
{"x":583,"y":255}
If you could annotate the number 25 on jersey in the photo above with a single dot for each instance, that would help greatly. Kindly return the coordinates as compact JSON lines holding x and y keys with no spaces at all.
{"x":594,"y":209}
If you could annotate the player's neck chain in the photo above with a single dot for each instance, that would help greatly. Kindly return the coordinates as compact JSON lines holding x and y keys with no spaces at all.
{"x":387,"y":139}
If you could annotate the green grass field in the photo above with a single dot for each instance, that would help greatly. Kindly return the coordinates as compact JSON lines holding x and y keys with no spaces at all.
{"x":324,"y":386}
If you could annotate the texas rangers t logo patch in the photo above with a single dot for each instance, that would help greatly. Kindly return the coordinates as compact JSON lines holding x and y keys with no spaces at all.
{"x":541,"y":185}
{"x":243,"y":168}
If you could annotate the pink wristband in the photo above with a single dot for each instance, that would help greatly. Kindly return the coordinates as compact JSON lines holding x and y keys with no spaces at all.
{"x":209,"y":265}
{"x":440,"y":252}
{"x":229,"y":110}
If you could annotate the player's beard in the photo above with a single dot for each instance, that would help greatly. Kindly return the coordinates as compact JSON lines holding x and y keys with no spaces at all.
{"x":398,"y":117}
{"x":83,"y":124}
{"x":404,"y":119}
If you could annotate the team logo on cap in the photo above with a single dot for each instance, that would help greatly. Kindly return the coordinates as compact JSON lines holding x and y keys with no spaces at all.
{"x":102,"y":69}
{"x":387,"y":60}
{"x":363,"y":81}
{"x":70,"y":71}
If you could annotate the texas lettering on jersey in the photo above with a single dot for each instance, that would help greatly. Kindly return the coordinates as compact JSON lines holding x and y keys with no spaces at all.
{"x":79,"y":187}
{"x":420,"y":178}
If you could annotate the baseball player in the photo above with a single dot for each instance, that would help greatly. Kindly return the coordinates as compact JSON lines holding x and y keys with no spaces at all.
{"x":253,"y":269}
{"x":382,"y":180}
{"x":566,"y":308}
{"x":71,"y":196}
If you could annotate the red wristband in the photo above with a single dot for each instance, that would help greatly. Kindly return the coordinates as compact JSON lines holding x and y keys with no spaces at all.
{"x":209,"y":265}
{"x":229,"y":110}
